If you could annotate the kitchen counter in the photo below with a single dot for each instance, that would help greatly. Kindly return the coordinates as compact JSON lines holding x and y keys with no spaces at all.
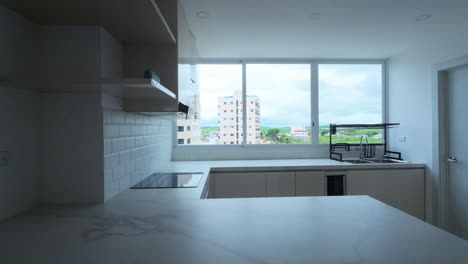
{"x":250,"y":165}
{"x":175,"y":226}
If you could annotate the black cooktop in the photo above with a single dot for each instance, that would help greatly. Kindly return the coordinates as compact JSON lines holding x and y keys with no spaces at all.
{"x":170,"y":180}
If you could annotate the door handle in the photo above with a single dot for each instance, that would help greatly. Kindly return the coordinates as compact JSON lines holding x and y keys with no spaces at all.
{"x":452,"y":159}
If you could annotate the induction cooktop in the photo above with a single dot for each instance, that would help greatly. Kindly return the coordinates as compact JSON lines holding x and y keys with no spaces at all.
{"x":170,"y":180}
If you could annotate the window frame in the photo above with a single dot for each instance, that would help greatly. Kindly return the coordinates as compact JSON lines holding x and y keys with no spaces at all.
{"x":314,"y":98}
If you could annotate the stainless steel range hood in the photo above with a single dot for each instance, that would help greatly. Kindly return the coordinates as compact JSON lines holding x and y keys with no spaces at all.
{"x":163,"y":103}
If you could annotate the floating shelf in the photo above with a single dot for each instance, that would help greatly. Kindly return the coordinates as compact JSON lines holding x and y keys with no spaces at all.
{"x":126,"y":87}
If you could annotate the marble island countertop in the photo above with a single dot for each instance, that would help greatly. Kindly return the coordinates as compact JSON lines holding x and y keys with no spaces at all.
{"x":176,"y":226}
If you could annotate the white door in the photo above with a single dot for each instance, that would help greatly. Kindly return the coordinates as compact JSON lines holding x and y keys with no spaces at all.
{"x":457,"y":203}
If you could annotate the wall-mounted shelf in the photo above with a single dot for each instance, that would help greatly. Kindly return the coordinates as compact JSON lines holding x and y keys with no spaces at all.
{"x":141,"y":21}
{"x":126,"y":88}
{"x":368,"y":149}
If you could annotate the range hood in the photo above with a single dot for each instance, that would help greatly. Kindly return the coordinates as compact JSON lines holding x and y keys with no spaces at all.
{"x":166,"y":102}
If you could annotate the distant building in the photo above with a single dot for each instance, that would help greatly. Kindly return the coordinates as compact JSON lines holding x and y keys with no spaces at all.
{"x":299,"y":133}
{"x":230,"y":119}
{"x":188,"y":129}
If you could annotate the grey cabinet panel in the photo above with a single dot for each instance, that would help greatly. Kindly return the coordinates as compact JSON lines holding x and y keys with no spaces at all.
{"x":238,"y":185}
{"x":405,"y":191}
{"x":367,"y":182}
{"x":310,"y":183}
{"x":280,"y":184}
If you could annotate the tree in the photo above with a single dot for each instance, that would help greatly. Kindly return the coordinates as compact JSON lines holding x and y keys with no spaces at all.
{"x":283,"y":139}
{"x":272,"y":133}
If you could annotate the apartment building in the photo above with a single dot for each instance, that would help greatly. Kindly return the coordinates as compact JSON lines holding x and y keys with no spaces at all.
{"x":231,"y":122}
{"x":189,"y":129}
{"x":299,"y":133}
{"x":188,"y":126}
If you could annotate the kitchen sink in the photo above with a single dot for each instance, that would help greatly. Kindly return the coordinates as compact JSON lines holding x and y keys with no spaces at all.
{"x":386,"y":161}
{"x":369,"y":161}
{"x":357,"y":161}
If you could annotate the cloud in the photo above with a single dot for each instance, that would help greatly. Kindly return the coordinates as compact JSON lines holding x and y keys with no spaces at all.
{"x":347,"y":94}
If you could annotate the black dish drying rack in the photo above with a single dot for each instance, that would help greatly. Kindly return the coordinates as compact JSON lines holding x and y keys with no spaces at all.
{"x":368,"y":149}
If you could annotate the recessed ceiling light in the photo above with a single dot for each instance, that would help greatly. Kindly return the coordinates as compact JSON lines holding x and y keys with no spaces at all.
{"x":203,"y":14}
{"x":423,"y":17}
{"x":314,"y":16}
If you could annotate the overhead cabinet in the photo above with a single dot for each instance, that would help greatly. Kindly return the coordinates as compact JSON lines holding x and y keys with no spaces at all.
{"x":106,"y":46}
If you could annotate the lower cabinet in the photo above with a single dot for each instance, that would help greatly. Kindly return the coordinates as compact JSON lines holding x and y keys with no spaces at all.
{"x":367,"y":182}
{"x":405,"y":191}
{"x":280,"y":184}
{"x":402,"y":189}
{"x":239,"y":184}
{"x":310,"y":183}
{"x":254,"y":184}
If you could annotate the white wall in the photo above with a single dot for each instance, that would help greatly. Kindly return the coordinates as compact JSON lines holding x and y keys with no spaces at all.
{"x":111,"y":56}
{"x":71,"y":148}
{"x":19,"y":121}
{"x":69,"y":52}
{"x":409,"y":103}
{"x":19,"y":181}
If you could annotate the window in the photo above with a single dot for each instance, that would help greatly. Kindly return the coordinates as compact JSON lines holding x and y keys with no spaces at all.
{"x":284,"y":103}
{"x":220,"y":86}
{"x":350,"y":94}
{"x":281,"y":112}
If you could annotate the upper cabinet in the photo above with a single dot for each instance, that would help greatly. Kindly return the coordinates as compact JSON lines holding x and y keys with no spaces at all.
{"x":142,"y":21}
{"x":106,"y":46}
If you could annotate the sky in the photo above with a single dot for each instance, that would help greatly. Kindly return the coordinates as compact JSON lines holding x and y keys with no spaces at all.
{"x":347,"y":93}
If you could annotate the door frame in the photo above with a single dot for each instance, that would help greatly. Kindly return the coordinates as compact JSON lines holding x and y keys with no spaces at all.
{"x":439,"y":136}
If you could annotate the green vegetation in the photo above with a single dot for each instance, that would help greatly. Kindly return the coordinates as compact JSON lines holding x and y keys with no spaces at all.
{"x":350,"y":135}
{"x":281,"y":135}
{"x":273,"y":134}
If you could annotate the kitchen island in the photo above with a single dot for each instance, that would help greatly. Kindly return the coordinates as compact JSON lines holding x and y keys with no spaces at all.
{"x":176,"y":226}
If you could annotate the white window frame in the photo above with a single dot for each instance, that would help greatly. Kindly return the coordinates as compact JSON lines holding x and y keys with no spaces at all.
{"x":314,"y":86}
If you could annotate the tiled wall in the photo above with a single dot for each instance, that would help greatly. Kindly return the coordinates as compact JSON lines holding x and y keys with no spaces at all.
{"x":135,"y":146}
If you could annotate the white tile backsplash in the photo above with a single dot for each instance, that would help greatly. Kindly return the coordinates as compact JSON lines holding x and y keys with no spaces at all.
{"x":135,"y":146}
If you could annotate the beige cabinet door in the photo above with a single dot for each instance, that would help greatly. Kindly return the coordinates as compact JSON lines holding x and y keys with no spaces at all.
{"x":310,"y":183}
{"x":367,"y":182}
{"x":239,"y":184}
{"x":280,"y":184}
{"x":405,"y":191}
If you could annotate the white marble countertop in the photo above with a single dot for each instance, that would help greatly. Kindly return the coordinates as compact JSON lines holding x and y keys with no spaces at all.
{"x":175,"y":226}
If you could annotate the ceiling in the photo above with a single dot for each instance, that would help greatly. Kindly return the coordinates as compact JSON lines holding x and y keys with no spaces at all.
{"x":321,"y":28}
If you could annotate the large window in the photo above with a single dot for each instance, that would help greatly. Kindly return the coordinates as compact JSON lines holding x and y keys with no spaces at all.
{"x":278,"y":103}
{"x":350,"y":94}
{"x":283,"y":103}
{"x":220,"y":118}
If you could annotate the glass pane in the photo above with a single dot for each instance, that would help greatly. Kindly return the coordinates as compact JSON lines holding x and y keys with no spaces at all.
{"x":350,"y":94}
{"x":220,"y":104}
{"x":278,"y":104}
